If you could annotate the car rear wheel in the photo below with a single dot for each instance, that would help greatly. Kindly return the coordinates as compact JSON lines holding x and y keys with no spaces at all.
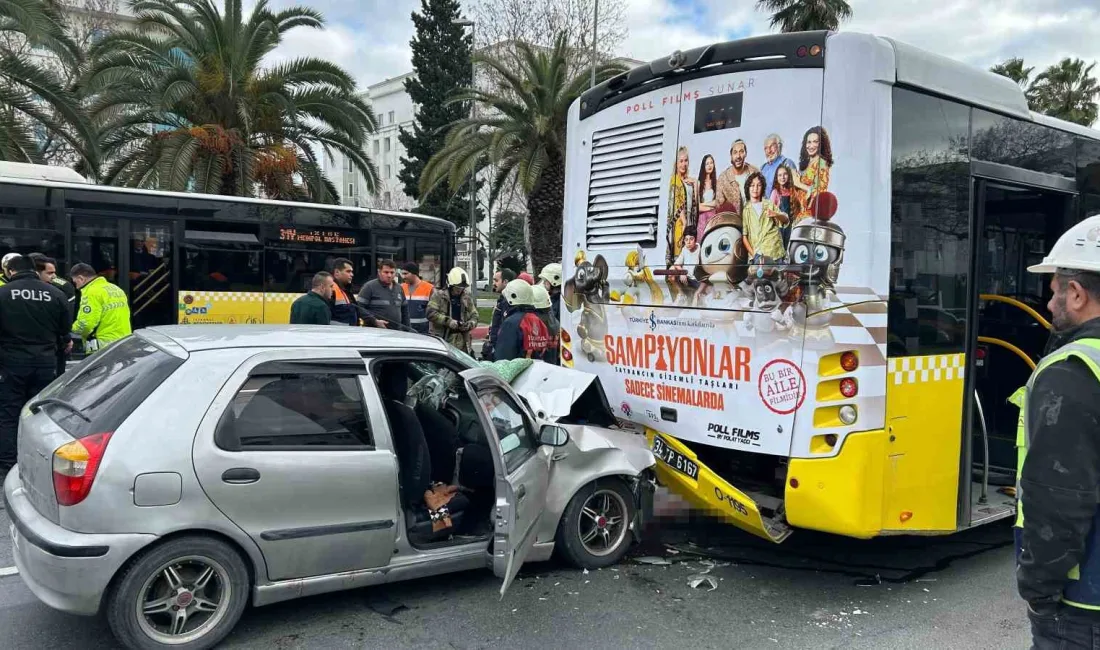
{"x":187,"y":594}
{"x":595,"y":528}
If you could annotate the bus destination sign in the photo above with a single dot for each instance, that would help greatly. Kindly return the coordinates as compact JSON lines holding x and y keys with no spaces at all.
{"x":296,"y":235}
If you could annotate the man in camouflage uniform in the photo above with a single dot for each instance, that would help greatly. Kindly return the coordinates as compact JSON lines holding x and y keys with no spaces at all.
{"x":452,"y":312}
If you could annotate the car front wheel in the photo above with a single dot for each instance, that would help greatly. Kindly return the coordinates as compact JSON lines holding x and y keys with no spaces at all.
{"x":595,"y":528}
{"x":187,"y":594}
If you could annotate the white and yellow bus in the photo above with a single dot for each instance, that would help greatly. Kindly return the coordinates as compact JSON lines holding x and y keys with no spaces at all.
{"x":799,"y":261}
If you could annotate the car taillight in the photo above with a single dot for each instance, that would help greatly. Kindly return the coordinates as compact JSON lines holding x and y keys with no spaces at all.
{"x":849,"y":361}
{"x":75,"y":465}
{"x":848,"y":387}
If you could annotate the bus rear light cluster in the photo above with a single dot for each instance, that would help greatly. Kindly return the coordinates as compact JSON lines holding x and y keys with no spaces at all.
{"x":849,"y":361}
{"x":847,"y":414}
{"x":849,"y":387}
{"x":813,"y":50}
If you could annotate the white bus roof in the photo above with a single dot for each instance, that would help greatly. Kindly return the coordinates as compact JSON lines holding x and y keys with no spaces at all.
{"x":946,"y":76}
{"x":56,"y":176}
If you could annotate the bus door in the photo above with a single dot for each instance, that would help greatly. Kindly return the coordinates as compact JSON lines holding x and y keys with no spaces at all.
{"x":1015,"y":226}
{"x":130,"y":241}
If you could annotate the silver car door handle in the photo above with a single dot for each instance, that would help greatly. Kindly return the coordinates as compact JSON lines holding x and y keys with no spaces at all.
{"x":240,"y":475}
{"x":521,"y":492}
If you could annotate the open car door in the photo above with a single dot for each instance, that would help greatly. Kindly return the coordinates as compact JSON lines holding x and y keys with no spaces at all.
{"x":522,"y":466}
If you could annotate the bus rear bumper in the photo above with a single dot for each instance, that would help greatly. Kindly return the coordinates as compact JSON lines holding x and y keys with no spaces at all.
{"x":712,"y":494}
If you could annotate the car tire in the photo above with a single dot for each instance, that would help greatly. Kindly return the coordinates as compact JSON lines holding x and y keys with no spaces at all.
{"x":183,"y":561}
{"x":576,"y":524}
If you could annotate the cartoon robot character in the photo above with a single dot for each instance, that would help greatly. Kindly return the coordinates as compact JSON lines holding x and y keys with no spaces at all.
{"x":722,"y":259}
{"x":816,"y":251}
{"x":639,"y":275}
{"x":770,"y":289}
{"x":588,"y":291}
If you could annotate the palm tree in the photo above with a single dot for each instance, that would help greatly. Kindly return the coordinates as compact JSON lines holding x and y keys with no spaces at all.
{"x":806,"y":15}
{"x":33,"y":99}
{"x":519,"y":129}
{"x":1014,"y":69}
{"x":1068,"y":91}
{"x":183,"y":101}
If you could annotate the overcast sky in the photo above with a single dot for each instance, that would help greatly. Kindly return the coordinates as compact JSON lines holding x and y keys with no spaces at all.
{"x":371,"y":37}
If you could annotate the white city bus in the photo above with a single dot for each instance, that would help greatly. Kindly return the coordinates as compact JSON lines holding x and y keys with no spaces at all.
{"x":799,"y":261}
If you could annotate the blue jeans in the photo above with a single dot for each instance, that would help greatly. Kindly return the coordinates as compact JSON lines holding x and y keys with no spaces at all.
{"x":1060,"y":632}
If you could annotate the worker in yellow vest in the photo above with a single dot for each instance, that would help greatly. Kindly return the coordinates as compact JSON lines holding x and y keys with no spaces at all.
{"x":1058,"y":439}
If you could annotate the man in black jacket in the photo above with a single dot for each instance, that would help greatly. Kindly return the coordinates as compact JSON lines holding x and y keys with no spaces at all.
{"x":35,"y":322}
{"x":47,"y":272}
{"x":1058,"y":486}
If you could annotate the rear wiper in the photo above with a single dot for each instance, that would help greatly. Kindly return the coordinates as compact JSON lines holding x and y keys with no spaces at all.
{"x":37,"y":405}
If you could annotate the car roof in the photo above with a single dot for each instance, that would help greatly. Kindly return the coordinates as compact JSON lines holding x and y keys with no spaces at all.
{"x":194,"y":338}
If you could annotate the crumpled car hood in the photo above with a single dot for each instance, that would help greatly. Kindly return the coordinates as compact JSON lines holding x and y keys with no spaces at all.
{"x":551,"y":390}
{"x":631,"y":443}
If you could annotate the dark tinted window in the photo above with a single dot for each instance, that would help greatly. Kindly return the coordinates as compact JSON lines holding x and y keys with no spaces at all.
{"x":120,"y":203}
{"x":279,"y":411}
{"x":1006,"y":140}
{"x":930,"y":250}
{"x":109,"y":386}
{"x":1088,"y":176}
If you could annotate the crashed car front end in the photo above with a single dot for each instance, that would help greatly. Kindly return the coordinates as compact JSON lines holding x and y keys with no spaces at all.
{"x":600,"y":446}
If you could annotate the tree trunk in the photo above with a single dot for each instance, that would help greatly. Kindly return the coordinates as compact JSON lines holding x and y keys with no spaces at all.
{"x":545,"y":210}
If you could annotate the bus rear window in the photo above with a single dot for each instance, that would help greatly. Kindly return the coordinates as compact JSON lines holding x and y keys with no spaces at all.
{"x":109,"y":386}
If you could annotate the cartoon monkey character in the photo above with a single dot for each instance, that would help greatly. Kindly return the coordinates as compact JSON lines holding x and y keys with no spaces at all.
{"x":588,"y":291}
{"x":637,"y":275}
{"x":816,"y":250}
{"x":722,"y":259}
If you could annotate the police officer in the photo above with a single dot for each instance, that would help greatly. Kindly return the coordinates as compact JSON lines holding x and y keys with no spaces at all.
{"x":47,"y":272}
{"x":104,"y":314}
{"x":34,"y":323}
{"x":1058,"y":469}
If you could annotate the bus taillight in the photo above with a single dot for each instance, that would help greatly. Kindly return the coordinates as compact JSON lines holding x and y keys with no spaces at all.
{"x":849,"y":387}
{"x":849,"y":361}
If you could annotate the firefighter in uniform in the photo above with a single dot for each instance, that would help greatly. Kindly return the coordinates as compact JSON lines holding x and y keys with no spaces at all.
{"x":1058,"y":464}
{"x":34,"y":323}
{"x":104,"y":313}
{"x":551,"y":279}
{"x":523,"y":335}
{"x":452,"y":312}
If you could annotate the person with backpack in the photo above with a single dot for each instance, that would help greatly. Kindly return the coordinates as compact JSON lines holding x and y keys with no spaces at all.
{"x":523,"y":335}
{"x":544,"y":310}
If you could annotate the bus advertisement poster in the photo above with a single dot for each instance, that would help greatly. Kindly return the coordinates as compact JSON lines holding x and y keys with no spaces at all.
{"x":730,"y":327}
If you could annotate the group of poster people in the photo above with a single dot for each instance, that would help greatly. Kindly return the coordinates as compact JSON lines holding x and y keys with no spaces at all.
{"x":769,"y":199}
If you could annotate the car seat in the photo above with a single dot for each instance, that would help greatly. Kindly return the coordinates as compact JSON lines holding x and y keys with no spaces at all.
{"x":414,"y":462}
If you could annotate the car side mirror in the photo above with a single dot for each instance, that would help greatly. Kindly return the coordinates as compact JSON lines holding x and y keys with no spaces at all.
{"x":552,"y":435}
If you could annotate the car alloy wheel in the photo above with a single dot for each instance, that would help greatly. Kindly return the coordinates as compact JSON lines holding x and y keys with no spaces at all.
{"x":183,"y":600}
{"x":603,"y":523}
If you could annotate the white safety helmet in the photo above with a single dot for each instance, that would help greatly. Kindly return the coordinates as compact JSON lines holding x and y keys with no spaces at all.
{"x":7,"y":258}
{"x":540,"y":297}
{"x":457,"y":277}
{"x":552,"y":274}
{"x":517,"y":293}
{"x":1078,"y":249}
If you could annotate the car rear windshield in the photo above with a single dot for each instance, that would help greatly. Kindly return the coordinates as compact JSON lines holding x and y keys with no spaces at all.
{"x":108,"y":386}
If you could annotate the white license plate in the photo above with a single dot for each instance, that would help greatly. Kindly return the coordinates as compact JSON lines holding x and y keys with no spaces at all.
{"x":674,"y":459}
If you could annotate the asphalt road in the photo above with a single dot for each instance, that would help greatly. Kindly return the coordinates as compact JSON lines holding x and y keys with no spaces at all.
{"x":813,"y":591}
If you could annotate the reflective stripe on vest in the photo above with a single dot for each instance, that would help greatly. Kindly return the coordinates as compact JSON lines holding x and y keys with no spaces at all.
{"x":1079,"y":592}
{"x":418,"y":302}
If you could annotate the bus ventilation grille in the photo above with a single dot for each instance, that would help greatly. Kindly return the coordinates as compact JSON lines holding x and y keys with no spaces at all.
{"x":625,"y":185}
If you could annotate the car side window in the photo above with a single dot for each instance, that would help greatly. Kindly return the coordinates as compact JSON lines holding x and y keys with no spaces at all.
{"x":280,"y":411}
{"x":516,"y":440}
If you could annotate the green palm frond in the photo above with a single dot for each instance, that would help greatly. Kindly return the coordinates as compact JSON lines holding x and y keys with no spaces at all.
{"x":224,"y":120}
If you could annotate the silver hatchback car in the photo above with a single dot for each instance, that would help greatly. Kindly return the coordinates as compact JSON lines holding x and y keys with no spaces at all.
{"x":186,"y":472}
